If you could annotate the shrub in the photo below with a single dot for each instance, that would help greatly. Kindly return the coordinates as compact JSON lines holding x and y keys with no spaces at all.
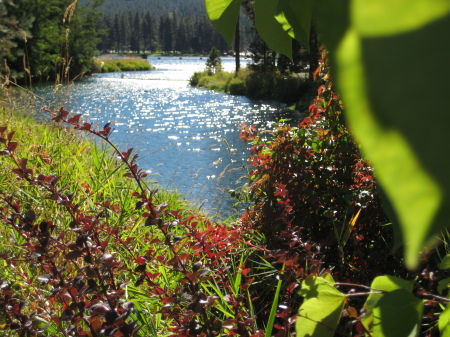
{"x":214,"y":62}
{"x":194,"y":79}
{"x":312,"y":178}
{"x":260,"y":85}
{"x":236,"y":86}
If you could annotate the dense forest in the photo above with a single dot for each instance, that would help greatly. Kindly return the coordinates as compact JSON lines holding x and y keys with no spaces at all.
{"x":163,"y":26}
{"x":57,"y":39}
{"x":167,"y":33}
{"x":156,"y":7}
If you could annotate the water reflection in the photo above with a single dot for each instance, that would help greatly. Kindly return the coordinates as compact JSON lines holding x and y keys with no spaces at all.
{"x":188,"y":138}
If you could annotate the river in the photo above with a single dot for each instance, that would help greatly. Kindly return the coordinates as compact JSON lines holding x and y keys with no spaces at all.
{"x":187,"y":138}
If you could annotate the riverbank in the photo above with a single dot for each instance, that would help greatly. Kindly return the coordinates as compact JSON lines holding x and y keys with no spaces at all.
{"x":109,"y":65}
{"x":259,"y":85}
{"x":81,"y":224}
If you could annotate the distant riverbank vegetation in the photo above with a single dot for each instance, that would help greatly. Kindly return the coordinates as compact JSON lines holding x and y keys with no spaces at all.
{"x":255,"y":85}
{"x":109,"y":65}
{"x":271,"y":79}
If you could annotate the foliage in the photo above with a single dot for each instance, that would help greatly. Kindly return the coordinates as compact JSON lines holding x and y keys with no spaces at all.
{"x":214,"y":62}
{"x":312,"y":177}
{"x":372,"y":49}
{"x":219,"y":81}
{"x":361,"y":42}
{"x":53,"y":38}
{"x":256,"y":85}
{"x":107,"y":65}
{"x":316,"y":202}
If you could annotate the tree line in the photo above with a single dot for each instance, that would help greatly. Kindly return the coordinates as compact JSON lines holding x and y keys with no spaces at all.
{"x":134,"y":32}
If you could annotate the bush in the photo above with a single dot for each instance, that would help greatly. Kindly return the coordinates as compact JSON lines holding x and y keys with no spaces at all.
{"x":260,"y":85}
{"x":236,"y":86}
{"x":312,"y":180}
{"x":193,"y":81}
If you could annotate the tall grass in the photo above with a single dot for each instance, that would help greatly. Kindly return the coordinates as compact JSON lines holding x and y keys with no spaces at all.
{"x":108,"y":65}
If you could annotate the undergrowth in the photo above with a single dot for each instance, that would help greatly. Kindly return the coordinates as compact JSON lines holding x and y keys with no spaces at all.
{"x":90,"y":247}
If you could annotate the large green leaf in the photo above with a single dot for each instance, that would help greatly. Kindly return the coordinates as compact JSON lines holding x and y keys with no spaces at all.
{"x":445,"y":263}
{"x":321,"y":309}
{"x":270,"y":29}
{"x":224,"y":15}
{"x":444,"y":322}
{"x":392,"y":17}
{"x":295,"y":17}
{"x":380,"y":285}
{"x":443,"y":285}
{"x":394,"y":85}
{"x":397,"y":313}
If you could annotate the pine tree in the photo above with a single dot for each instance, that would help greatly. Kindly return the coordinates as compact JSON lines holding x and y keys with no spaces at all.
{"x":136,"y":32}
{"x":214,"y":62}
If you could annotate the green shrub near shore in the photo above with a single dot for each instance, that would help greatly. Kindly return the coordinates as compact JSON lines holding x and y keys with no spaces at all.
{"x":110,"y":65}
{"x":256,"y":85}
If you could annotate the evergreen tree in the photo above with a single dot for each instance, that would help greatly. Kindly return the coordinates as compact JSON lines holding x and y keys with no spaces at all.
{"x":12,"y":29}
{"x":82,"y":37}
{"x":123,"y":34}
{"x":149,"y":32}
{"x":136,"y":32}
{"x":116,"y":34}
{"x":214,"y":62}
{"x":166,"y":33}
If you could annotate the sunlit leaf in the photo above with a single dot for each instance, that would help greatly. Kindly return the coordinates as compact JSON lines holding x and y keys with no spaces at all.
{"x":295,"y":17}
{"x":388,"y":17}
{"x":445,"y":263}
{"x":443,"y":285}
{"x":398,"y":306}
{"x":379,"y":286}
{"x":321,"y":309}
{"x":270,"y":29}
{"x":444,"y":322}
{"x":224,"y":15}
{"x":387,"y":84}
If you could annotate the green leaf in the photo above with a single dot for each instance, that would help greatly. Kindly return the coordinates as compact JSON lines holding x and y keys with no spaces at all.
{"x":445,"y":263}
{"x":384,"y":283}
{"x":444,"y":322}
{"x":273,"y":310}
{"x":295,"y":17}
{"x":321,"y":309}
{"x":390,"y":84}
{"x":270,"y":29}
{"x":397,"y":313}
{"x":224,"y":15}
{"x":387,"y":17}
{"x":443,"y":285}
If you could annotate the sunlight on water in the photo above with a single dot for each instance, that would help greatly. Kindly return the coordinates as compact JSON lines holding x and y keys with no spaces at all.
{"x":188,"y":138}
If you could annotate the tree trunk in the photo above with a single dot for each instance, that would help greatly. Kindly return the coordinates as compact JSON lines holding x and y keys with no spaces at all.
{"x":313,"y":52}
{"x":237,"y":47}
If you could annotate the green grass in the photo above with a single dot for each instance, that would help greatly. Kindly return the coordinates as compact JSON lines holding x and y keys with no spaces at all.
{"x":221,"y":81}
{"x":109,"y":65}
{"x":95,"y":177}
{"x":256,"y":85}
